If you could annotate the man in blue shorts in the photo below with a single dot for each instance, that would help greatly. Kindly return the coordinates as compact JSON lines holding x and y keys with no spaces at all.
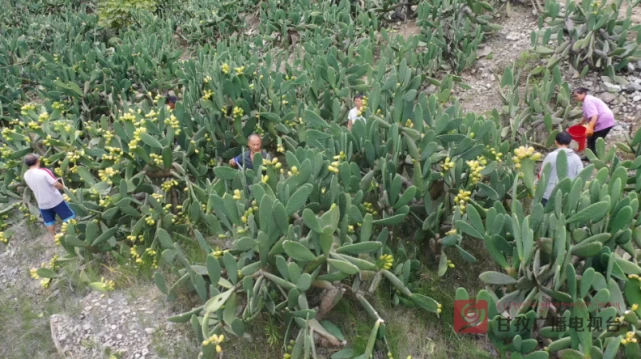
{"x":46,"y":188}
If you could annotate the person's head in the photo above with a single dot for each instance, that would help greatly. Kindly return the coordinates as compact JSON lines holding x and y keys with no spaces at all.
{"x":32,"y":160}
{"x":358,"y":100}
{"x":171,"y":102}
{"x":563,"y":139}
{"x":579,"y":93}
{"x":254,"y":143}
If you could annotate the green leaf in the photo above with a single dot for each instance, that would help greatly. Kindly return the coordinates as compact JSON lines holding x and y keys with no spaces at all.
{"x":314,"y":119}
{"x":218,"y":301}
{"x":298,"y":252}
{"x":297,"y":200}
{"x":343,"y":266}
{"x":496,"y":278}
{"x":159,"y":279}
{"x":592,"y":213}
{"x":366,"y":227}
{"x":570,"y":354}
{"x":358,"y":248}
{"x":304,"y":282}
{"x":311,"y":221}
{"x":232,"y":267}
{"x":230,"y":309}
{"x":238,"y":327}
{"x":225,"y":173}
{"x":150,"y":141}
{"x":475,"y":219}
{"x":46,"y":273}
{"x":105,"y":236}
{"x":467,"y":229}
{"x":164,"y":239}
{"x":213,"y":269}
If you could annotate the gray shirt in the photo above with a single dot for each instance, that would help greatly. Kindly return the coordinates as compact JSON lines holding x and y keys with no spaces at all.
{"x":574,"y":167}
{"x":41,"y":182}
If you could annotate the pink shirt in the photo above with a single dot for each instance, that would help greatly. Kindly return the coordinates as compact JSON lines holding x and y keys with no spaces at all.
{"x":594,"y":106}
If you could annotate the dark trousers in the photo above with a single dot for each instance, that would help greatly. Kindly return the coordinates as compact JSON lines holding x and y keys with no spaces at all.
{"x":544,"y":201}
{"x":592,"y":139}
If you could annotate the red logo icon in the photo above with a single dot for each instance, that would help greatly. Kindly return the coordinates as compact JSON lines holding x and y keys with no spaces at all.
{"x":470,"y":316}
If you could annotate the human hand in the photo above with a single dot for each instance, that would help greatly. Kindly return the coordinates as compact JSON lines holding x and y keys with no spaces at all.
{"x":232,"y":162}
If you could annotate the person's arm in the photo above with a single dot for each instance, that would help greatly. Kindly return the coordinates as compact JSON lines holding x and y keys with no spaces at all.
{"x":351,"y":116}
{"x":236,"y":161}
{"x":53,"y":181}
{"x":590,"y":113}
{"x":546,"y":160}
{"x":59,"y":185}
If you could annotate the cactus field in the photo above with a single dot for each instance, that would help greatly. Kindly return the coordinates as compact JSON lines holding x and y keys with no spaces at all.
{"x":333,"y":217}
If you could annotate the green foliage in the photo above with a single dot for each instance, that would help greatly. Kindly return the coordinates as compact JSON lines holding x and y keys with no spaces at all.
{"x":453,"y":30}
{"x":572,"y":259}
{"x":120,"y":13}
{"x":590,"y":35}
{"x":545,"y":104}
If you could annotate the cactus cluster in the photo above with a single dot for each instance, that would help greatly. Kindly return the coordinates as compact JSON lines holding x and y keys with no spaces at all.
{"x":590,"y":34}
{"x":574,"y":260}
{"x":544,"y":105}
{"x":453,"y":30}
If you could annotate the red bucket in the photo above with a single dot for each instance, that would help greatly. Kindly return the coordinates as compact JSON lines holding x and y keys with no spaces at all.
{"x":578,"y":133}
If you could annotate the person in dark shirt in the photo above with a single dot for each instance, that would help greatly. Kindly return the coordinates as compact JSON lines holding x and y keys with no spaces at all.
{"x":171,"y":102}
{"x":247,"y":160}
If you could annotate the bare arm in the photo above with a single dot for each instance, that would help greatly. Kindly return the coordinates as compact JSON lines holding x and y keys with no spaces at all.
{"x":349,"y":124}
{"x":59,"y":185}
{"x":593,"y":121}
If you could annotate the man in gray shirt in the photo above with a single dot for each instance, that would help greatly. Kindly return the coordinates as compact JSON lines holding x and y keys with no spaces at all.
{"x":575,"y":165}
{"x":46,"y":188}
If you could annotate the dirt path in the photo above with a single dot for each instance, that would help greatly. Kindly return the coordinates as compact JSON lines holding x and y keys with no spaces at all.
{"x":499,"y":52}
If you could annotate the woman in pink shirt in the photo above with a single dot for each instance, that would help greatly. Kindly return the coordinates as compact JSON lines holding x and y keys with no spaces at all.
{"x":597,"y":114}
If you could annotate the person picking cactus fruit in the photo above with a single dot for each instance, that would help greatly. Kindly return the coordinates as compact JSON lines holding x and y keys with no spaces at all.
{"x":246,"y":160}
{"x":355,"y":113}
{"x":597,"y":117}
{"x":575,"y":165}
{"x":46,"y":188}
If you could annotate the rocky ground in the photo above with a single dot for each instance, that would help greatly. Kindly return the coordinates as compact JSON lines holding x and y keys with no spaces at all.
{"x":116,"y":324}
{"x":501,"y":50}
{"x":130,"y":323}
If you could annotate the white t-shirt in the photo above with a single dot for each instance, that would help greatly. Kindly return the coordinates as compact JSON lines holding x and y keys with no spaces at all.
{"x":353,"y":115}
{"x":41,"y":182}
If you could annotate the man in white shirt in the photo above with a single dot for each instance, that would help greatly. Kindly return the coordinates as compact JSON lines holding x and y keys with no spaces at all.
{"x":355,"y":113}
{"x":575,"y":166}
{"x":46,"y":188}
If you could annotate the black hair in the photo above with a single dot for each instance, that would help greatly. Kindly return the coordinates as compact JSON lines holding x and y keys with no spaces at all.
{"x":563,"y":138}
{"x":358,"y":96}
{"x":171,"y":99}
{"x":581,"y":90}
{"x":30,"y":159}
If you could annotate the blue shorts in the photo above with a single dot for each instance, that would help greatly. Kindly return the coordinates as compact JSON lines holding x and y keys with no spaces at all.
{"x":62,"y":210}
